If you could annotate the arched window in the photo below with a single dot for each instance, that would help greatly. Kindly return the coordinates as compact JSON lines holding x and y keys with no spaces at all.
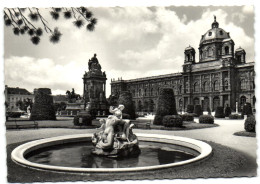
{"x":188,"y":57}
{"x":225,"y":85}
{"x":180,"y":104}
{"x":180,"y":89}
{"x":210,"y":51}
{"x":140,"y":92}
{"x":145,"y":92}
{"x":243,"y":84}
{"x":205,"y":86}
{"x":196,"y":87}
{"x":152,"y":92}
{"x":221,"y":32}
{"x":216,"y":86}
{"x":226,"y":50}
{"x":242,"y":101}
{"x":133,"y":92}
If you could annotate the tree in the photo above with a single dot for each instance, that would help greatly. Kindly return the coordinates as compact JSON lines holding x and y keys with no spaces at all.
{"x":125,"y":98}
{"x":43,"y":108}
{"x":26,"y":20}
{"x":165,"y":105}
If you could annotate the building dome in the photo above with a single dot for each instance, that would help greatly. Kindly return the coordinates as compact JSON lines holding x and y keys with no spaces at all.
{"x":240,"y":49}
{"x":189,"y":48}
{"x":214,"y":33}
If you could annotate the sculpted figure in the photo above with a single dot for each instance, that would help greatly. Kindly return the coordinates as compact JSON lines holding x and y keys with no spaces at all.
{"x":116,"y":137}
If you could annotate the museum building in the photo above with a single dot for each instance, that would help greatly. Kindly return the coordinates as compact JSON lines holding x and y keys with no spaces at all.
{"x":221,"y":77}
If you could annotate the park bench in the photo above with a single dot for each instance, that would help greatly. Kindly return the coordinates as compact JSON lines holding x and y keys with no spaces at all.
{"x":21,"y":124}
{"x":142,"y":124}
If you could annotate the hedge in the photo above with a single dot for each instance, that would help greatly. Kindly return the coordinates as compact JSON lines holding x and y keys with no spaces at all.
{"x":43,"y":108}
{"x":198,"y":110}
{"x":172,"y":121}
{"x":125,"y":98}
{"x":187,"y":117}
{"x":235,"y":116}
{"x":206,"y":119}
{"x":190,"y":108}
{"x":219,"y":112}
{"x":250,"y":124}
{"x":165,"y":105}
{"x":227,"y":111}
{"x":247,"y":109}
{"x":86,"y":120}
{"x":14,"y":114}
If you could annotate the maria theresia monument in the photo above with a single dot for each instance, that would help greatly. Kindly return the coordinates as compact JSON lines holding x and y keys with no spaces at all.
{"x":94,"y":90}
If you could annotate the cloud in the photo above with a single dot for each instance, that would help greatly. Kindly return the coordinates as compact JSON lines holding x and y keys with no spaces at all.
{"x":248,"y":9}
{"x":130,"y":42}
{"x":33,"y":73}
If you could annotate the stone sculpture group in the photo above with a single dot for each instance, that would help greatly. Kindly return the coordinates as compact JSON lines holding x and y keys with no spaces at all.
{"x":116,"y":138}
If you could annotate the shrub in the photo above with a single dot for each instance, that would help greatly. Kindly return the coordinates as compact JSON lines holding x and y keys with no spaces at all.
{"x":187,"y":117}
{"x":126,"y":116}
{"x":165,"y":105}
{"x":219,"y":112}
{"x":14,"y":114}
{"x":172,"y":121}
{"x":247,"y":109}
{"x":190,"y":108}
{"x":198,"y":110}
{"x":82,"y":120}
{"x":250,"y":124}
{"x":209,"y":110}
{"x":43,"y":108}
{"x":235,"y":116}
{"x":206,"y":119}
{"x":227,"y":111}
{"x":125,"y":98}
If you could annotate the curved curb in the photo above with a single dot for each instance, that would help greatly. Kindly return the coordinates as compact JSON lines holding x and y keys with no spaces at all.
{"x":18,"y":153}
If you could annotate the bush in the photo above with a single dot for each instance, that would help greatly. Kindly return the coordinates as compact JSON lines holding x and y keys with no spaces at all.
{"x":165,"y":105}
{"x":14,"y":114}
{"x":187,"y":117}
{"x":85,"y":120}
{"x":209,"y":110}
{"x":198,"y":110}
{"x":247,"y":109}
{"x":126,"y":116}
{"x":227,"y":111}
{"x":190,"y":108}
{"x":206,"y":119}
{"x":172,"y":121}
{"x":250,"y":124}
{"x":219,"y":112}
{"x":235,"y":116}
{"x":125,"y":98}
{"x":43,"y":108}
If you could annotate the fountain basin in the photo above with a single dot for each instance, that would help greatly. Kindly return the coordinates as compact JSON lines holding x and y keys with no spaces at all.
{"x":200,"y":149}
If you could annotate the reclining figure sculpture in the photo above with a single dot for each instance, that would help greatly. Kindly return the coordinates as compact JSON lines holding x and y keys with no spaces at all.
{"x":116,"y":138}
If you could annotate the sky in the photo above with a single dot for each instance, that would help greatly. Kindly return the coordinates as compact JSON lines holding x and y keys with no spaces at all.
{"x":130,"y":42}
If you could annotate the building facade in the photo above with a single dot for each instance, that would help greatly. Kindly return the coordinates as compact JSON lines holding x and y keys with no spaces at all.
{"x":221,"y":77}
{"x":13,"y":95}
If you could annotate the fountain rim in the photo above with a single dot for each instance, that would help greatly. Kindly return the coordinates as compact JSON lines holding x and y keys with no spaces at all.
{"x":18,"y":153}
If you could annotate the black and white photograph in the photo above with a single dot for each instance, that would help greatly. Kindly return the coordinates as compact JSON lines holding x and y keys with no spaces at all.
{"x":132,"y":92}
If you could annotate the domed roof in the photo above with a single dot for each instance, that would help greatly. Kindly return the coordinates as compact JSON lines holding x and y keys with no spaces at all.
{"x":240,"y":49}
{"x":189,"y":48}
{"x":214,"y":33}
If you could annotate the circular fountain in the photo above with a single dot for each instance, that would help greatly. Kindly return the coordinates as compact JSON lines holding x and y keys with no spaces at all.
{"x":72,"y":153}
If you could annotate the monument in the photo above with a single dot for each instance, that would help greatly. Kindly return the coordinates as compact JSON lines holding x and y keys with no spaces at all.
{"x":116,"y":138}
{"x":75,"y":103}
{"x":94,"y":90}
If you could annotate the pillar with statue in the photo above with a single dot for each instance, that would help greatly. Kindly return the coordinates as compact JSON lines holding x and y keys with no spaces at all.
{"x":94,"y":88}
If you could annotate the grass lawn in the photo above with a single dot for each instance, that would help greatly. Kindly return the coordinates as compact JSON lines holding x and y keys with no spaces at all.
{"x":224,"y":162}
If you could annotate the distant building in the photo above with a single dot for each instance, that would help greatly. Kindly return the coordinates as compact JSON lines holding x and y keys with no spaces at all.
{"x":13,"y":95}
{"x":221,"y":77}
